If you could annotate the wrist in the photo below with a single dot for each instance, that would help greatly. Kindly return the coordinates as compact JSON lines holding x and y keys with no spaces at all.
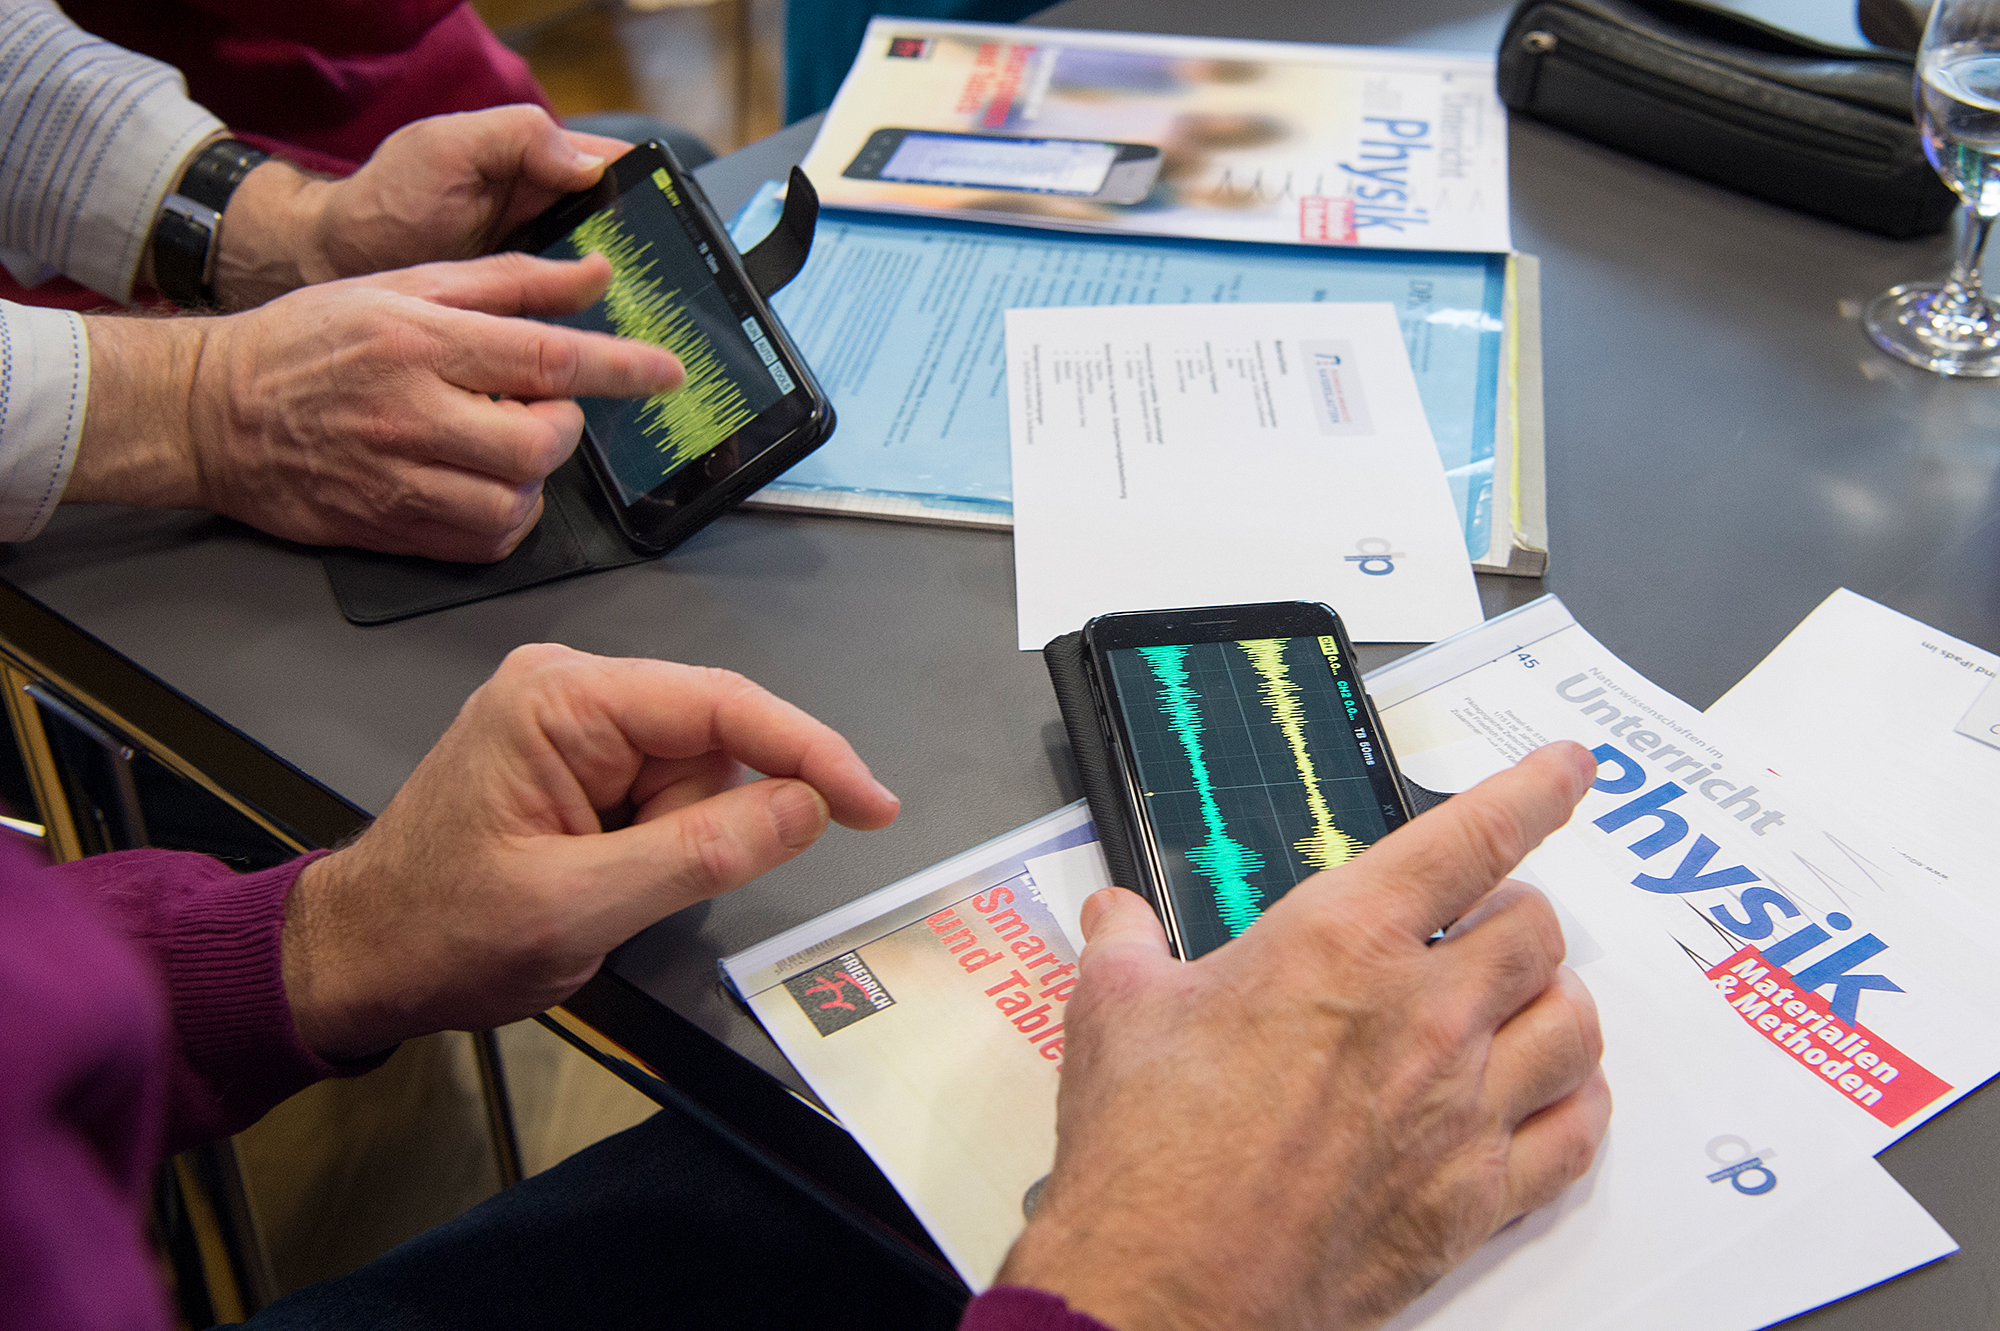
{"x":271,"y":239}
{"x":137,"y":445}
{"x":334,"y":1018}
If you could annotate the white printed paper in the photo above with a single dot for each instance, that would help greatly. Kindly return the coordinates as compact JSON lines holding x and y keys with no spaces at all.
{"x":1211,"y":455}
{"x":1879,"y":703}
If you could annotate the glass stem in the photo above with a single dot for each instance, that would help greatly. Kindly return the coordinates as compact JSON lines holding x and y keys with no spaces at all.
{"x":1964,"y":295}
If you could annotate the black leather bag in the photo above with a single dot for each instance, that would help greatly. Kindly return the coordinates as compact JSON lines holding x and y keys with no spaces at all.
{"x":1828,"y":130}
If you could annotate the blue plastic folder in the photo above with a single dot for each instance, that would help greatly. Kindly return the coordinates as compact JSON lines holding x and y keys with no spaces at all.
{"x":901,"y":319}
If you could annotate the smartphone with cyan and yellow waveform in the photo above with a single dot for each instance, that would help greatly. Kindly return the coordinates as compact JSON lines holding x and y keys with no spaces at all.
{"x":749,"y":407}
{"x":1248,"y":755}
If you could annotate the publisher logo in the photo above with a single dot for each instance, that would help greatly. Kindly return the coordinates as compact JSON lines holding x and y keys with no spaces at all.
{"x":910,"y":48}
{"x":835,"y":994}
{"x":1376,"y":559}
{"x":1745,"y":1169}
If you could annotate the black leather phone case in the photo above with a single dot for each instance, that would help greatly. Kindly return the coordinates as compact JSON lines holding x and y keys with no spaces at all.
{"x":578,"y":532}
{"x":1828,"y":130}
{"x":1097,"y":766}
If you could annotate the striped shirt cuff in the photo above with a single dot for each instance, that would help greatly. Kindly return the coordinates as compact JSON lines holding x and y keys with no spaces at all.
{"x":100,"y":135}
{"x":44,"y":386}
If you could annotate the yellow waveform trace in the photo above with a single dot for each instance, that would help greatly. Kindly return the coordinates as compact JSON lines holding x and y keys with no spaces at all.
{"x":708,"y":407}
{"x":1326,"y":845}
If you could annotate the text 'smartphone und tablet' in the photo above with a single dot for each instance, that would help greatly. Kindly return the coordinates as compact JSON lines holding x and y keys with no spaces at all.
{"x":749,"y":408}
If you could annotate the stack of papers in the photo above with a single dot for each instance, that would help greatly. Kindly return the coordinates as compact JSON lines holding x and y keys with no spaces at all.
{"x":1198,"y":171}
{"x":1783,"y":993}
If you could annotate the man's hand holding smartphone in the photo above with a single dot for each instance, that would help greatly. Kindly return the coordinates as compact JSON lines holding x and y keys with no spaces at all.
{"x":1309,"y":1126}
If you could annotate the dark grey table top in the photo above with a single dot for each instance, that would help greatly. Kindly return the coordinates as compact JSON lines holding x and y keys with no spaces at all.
{"x":1724,"y":450}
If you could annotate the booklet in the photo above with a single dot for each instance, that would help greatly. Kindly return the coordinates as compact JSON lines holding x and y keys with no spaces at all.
{"x":1745,"y":892}
{"x":1192,"y":455}
{"x":1180,"y":136}
{"x":928,"y":1017}
{"x":902,"y":320}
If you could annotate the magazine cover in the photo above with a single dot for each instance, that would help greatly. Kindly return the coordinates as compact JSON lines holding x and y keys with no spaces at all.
{"x":1179,"y":136}
{"x":929,"y":1018}
{"x":1742,"y":887}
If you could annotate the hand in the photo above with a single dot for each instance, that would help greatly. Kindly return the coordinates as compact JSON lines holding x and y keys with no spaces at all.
{"x":358,"y":413}
{"x":575,"y":800}
{"x":450,"y":187}
{"x":1309,"y":1126}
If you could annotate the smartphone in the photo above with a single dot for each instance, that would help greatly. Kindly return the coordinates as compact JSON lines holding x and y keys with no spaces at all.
{"x":750,"y":407}
{"x":1083,"y":168}
{"x":1248,"y":756}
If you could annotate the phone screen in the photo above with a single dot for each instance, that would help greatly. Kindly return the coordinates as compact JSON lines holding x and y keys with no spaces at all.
{"x":665,"y":290}
{"x":1257,"y":765}
{"x":1045,"y":166}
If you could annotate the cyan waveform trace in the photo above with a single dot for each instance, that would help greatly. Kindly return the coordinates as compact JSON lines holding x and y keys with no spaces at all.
{"x":1226,"y":863}
{"x":1326,"y":845}
{"x":706,"y":409}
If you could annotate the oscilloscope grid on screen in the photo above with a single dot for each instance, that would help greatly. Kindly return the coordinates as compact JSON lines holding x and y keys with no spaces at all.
{"x":662,"y":292}
{"x":1252,"y":772}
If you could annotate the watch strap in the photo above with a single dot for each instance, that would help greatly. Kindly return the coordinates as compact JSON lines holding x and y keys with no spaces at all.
{"x":189,"y":227}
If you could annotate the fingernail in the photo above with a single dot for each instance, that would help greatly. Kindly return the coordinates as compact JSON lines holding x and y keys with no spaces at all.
{"x":800,"y":814}
{"x":887,"y":793}
{"x":1582,"y":759}
{"x":1093,"y":910}
{"x":588,"y":161}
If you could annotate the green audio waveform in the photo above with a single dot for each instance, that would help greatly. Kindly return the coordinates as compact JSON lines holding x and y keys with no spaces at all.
{"x":1226,"y":863}
{"x":705,"y":410}
{"x":1326,"y":845}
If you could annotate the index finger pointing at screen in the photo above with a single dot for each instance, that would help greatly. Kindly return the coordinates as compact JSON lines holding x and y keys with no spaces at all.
{"x":1430,"y":871}
{"x":526,"y":359}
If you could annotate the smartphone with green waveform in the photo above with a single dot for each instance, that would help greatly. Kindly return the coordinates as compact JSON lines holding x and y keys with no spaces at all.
{"x":750,"y":406}
{"x":1249,"y":756}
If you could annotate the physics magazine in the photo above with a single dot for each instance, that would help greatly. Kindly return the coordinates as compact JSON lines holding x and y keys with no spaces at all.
{"x":1177,"y":136}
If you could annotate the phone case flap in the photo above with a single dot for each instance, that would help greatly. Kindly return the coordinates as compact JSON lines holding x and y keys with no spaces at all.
{"x":776,"y":259}
{"x":577,"y":534}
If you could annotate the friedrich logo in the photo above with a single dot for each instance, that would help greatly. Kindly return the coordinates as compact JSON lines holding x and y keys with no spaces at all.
{"x":1745,"y":1169}
{"x":1333,"y":381}
{"x":1376,"y":559}
{"x":835,"y":994}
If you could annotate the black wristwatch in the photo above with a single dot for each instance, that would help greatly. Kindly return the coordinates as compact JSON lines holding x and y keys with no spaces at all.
{"x":189,"y":228}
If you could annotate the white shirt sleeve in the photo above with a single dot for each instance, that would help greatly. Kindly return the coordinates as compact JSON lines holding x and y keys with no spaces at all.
{"x":44,"y":379}
{"x":91,"y":139}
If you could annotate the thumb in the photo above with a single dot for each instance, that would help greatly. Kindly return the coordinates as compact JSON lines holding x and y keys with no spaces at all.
{"x":1117,"y":922}
{"x":551,"y":158}
{"x":519,"y":144}
{"x":643,"y":873}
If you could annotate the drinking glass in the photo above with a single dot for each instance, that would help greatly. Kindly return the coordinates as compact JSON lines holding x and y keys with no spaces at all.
{"x":1950,"y":327}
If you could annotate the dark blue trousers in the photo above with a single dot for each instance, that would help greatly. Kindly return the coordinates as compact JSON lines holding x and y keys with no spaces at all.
{"x":665,"y":1225}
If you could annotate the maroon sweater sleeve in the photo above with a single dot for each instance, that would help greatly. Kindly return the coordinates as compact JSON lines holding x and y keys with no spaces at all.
{"x":212,"y":937}
{"x":1016,"y":1308}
